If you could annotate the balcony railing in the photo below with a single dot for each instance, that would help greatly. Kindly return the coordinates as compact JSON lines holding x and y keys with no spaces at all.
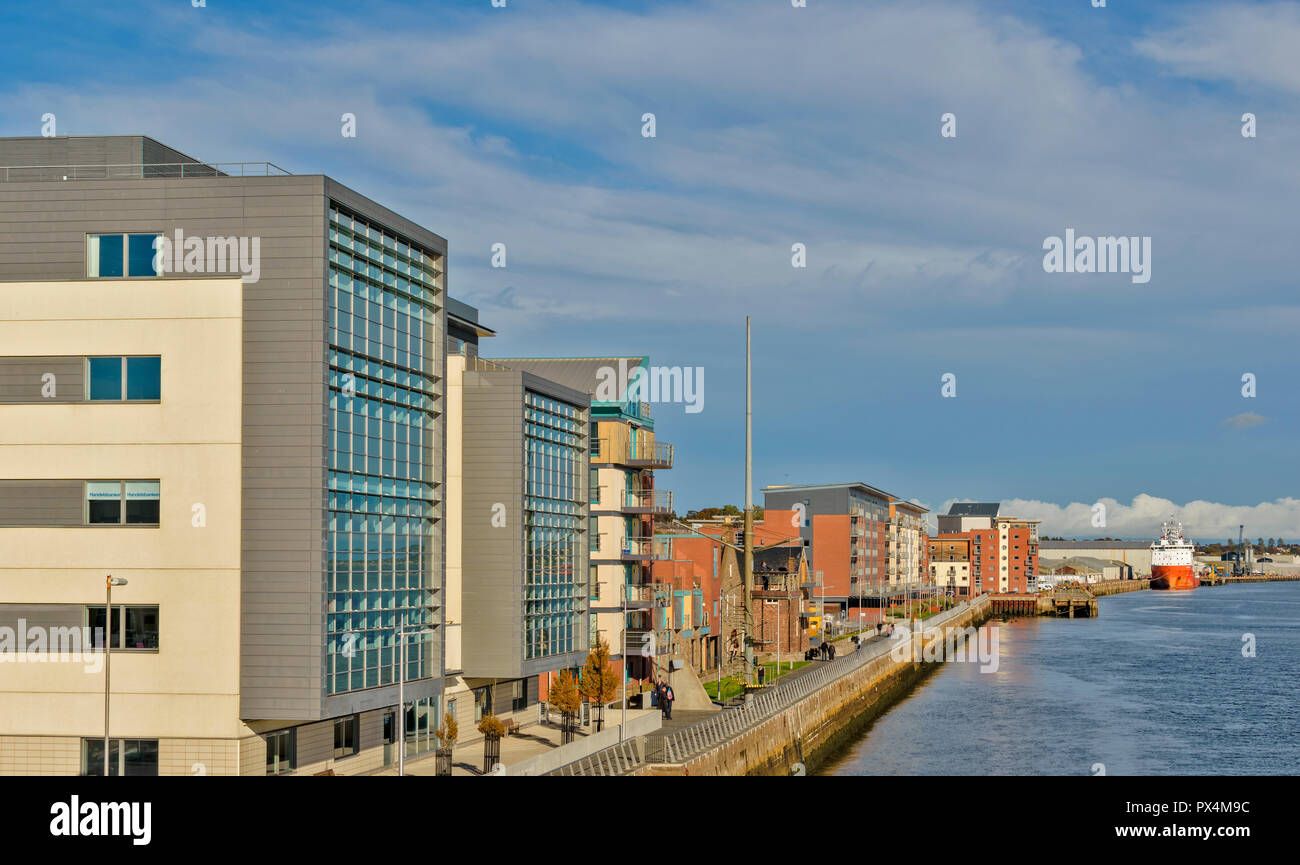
{"x":650,"y":455}
{"x":647,"y":596}
{"x":648,"y":501}
{"x":637,"y":549}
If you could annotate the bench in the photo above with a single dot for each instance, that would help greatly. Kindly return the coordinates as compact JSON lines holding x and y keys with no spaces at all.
{"x":511,"y":725}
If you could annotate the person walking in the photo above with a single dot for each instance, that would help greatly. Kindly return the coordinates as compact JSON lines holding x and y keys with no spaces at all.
{"x":668,"y":701}
{"x":659,"y":697}
{"x":762,"y":671}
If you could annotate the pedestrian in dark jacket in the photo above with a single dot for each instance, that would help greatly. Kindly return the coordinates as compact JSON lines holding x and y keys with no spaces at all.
{"x":668,"y":701}
{"x":831,"y":649}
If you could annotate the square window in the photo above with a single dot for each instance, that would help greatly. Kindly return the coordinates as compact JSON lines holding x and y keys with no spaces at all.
{"x":142,"y":502}
{"x":105,"y":378}
{"x":144,"y":378}
{"x":140,"y":255}
{"x":103,"y":502}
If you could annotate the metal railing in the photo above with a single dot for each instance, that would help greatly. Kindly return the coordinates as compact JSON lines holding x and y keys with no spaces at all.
{"x":729,"y":723}
{"x":140,"y":171}
{"x":648,"y":501}
{"x":615,"y":760}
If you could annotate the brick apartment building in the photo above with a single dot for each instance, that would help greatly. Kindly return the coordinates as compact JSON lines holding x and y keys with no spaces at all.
{"x":1003,"y":550}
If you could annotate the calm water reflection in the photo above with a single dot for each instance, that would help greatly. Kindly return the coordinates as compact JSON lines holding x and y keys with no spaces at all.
{"x":1157,"y":685}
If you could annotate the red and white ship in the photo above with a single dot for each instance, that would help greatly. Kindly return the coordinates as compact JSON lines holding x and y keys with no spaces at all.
{"x":1172,"y":565}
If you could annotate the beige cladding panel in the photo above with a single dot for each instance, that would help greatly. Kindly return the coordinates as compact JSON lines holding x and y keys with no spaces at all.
{"x":189,"y":565}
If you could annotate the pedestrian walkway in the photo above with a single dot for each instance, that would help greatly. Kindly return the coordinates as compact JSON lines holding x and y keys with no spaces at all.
{"x":467,"y":759}
{"x":681,"y":718}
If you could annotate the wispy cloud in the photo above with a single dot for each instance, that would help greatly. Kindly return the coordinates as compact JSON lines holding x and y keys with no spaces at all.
{"x":1245,"y":420}
{"x":1246,"y":43}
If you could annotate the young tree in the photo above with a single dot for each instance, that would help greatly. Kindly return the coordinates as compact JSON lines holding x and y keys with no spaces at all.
{"x":599,"y":685}
{"x":448,"y":732}
{"x":563,"y":697}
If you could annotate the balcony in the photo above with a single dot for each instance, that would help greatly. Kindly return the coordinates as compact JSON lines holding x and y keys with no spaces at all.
{"x":650,"y":455}
{"x":637,"y":549}
{"x":633,"y":549}
{"x":647,"y":596}
{"x":642,"y":455}
{"x":647,"y":502}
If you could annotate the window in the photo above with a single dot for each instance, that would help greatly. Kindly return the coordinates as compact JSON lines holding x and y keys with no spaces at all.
{"x":281,"y":752}
{"x":124,"y":378}
{"x":482,"y":703}
{"x":120,"y":255}
{"x":518,"y":696}
{"x":347,"y":738}
{"x":141,"y":631}
{"x":128,"y":757}
{"x":104,"y":501}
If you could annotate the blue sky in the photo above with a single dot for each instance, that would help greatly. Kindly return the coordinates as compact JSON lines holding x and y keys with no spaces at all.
{"x":820,"y":126}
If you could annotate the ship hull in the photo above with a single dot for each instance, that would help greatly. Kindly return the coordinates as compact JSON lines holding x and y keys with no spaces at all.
{"x":1174,"y":577}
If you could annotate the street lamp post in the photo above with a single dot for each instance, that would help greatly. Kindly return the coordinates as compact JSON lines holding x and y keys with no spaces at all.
{"x":109,"y":583}
{"x":402,"y":634}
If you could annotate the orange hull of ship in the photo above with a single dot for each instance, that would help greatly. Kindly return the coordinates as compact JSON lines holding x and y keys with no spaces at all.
{"x":1181,"y":577}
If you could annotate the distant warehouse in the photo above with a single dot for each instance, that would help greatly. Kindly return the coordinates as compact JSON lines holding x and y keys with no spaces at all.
{"x":1134,"y":553}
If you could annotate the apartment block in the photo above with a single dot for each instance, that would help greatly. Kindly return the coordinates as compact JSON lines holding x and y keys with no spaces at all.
{"x":846,"y":528}
{"x":626,"y":607}
{"x":223,"y":384}
{"x":907,"y":548}
{"x":950,"y":563}
{"x":1003,"y":550}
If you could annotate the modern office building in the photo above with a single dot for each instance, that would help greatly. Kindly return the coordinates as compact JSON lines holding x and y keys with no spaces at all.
{"x":517,"y":486}
{"x":626,"y":608}
{"x":240,"y":413}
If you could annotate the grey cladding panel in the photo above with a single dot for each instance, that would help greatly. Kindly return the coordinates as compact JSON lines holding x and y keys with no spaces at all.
{"x":41,"y":503}
{"x":41,"y":615}
{"x":22,"y":379}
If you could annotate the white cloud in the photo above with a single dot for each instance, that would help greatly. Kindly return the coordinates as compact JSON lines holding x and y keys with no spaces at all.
{"x":762,"y":143}
{"x":1206,"y":522}
{"x":1243,"y":43}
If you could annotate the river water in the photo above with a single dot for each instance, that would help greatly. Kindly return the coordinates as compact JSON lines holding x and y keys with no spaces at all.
{"x":1156,"y":685}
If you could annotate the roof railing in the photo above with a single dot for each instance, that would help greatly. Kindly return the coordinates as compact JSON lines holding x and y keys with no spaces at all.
{"x":140,"y":171}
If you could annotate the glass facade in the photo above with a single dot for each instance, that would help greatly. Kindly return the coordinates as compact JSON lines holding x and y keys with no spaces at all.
{"x":381,"y":560}
{"x":554,"y":581}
